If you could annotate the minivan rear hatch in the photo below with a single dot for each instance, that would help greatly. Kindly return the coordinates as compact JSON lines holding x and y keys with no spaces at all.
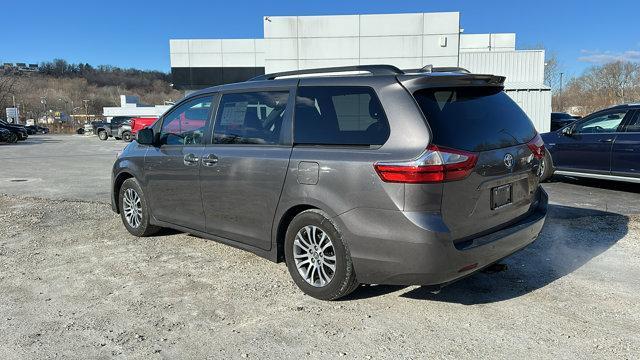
{"x":479,"y":118}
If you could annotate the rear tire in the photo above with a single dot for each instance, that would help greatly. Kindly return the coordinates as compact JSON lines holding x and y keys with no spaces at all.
{"x":127,"y":137}
{"x":13,"y":138}
{"x":547,"y":167}
{"x":134,"y":209}
{"x":102,"y":135}
{"x":313,"y":246}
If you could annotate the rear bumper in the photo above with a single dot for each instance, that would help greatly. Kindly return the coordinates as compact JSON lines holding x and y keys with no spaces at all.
{"x":401,"y":248}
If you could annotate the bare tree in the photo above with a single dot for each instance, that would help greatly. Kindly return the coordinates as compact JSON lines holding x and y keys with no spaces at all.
{"x":7,"y":90}
{"x":552,"y":70}
{"x":603,"y":86}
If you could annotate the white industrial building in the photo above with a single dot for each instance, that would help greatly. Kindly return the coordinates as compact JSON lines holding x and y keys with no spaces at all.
{"x":407,"y":41}
{"x":131,"y":106}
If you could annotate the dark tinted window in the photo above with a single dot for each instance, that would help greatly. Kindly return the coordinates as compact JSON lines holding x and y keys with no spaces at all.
{"x":186,"y":123}
{"x":634,"y":125}
{"x":474,"y":119}
{"x":250,"y":118}
{"x":339,"y":115}
{"x":116,"y":120}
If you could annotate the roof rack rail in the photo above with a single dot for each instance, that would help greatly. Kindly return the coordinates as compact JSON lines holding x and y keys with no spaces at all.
{"x":373,"y":69}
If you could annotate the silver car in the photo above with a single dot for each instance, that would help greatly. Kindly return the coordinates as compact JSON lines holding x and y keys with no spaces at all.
{"x":365,"y":174}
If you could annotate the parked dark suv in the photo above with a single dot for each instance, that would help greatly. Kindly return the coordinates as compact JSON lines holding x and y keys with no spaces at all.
{"x":105,"y":130}
{"x":603,"y":145}
{"x":378,"y":177}
{"x":560,"y":120}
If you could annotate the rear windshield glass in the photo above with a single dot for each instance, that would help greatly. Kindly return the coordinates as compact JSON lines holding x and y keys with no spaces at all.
{"x":474,"y":119}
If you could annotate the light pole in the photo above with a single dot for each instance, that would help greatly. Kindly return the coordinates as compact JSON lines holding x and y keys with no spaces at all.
{"x":43,"y":100}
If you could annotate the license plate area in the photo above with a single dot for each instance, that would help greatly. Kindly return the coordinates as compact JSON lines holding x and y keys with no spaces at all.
{"x":501,"y":196}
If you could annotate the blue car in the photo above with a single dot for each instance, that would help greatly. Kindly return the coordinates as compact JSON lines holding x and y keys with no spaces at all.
{"x":603,"y":145}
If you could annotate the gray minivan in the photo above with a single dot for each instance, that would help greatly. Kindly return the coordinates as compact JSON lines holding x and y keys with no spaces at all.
{"x":365,"y":174}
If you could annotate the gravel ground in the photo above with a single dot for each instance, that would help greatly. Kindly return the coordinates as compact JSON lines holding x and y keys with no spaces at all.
{"x":75,"y":284}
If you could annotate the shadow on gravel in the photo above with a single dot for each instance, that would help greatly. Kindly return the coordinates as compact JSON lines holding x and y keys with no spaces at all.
{"x":570,"y":238}
{"x":168,"y":232}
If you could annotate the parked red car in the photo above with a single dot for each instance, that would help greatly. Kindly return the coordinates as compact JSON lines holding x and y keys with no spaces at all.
{"x":141,"y":123}
{"x":127,"y":132}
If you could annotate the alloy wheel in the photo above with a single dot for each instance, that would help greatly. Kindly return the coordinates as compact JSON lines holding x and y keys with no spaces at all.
{"x":542,"y":167}
{"x":314,"y":256}
{"x":132,"y":207}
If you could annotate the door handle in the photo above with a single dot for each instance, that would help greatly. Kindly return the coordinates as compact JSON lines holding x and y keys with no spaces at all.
{"x":606,"y":140}
{"x":209,"y":160}
{"x":190,"y":159}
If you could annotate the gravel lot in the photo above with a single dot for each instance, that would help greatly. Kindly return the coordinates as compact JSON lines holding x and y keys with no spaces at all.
{"x":75,"y":284}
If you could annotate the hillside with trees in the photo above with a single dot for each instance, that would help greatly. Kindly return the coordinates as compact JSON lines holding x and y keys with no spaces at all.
{"x":62,"y":86}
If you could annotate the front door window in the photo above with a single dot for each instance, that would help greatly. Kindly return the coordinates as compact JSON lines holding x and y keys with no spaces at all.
{"x":186,"y":124}
{"x":607,"y":123}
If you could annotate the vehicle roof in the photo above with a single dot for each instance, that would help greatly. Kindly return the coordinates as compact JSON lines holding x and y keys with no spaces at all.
{"x":621,"y":106}
{"x":435,"y":76}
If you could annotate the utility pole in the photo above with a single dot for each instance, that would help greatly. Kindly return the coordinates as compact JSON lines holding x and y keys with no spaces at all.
{"x":86,"y":110}
{"x":560,"y":95}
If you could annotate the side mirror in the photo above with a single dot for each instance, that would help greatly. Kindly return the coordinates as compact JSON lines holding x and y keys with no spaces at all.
{"x":568,"y":131}
{"x":146,"y":137}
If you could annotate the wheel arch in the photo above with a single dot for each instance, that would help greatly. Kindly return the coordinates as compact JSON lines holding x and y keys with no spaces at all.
{"x":117,"y":185}
{"x":283,"y":225}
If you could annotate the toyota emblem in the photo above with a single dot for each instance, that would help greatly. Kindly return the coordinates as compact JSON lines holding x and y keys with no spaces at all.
{"x":508,"y":161}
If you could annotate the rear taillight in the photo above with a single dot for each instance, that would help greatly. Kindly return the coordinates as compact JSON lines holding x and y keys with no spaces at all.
{"x":536,"y":145}
{"x":436,"y":164}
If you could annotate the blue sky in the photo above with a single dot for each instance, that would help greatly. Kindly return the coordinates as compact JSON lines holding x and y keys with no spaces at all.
{"x":136,"y":33}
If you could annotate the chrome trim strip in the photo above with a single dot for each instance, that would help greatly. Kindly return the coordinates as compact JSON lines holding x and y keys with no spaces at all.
{"x":598,"y":176}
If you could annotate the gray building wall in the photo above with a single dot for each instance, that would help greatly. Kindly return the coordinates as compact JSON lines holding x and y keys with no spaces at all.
{"x":404,"y":40}
{"x":487,"y":42}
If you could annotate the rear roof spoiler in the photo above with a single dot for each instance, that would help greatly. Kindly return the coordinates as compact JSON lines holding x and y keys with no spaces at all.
{"x":440,"y":80}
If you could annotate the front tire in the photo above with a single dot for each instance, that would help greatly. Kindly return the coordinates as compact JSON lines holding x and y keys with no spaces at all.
{"x":134,"y":209}
{"x":102,"y":135}
{"x":317,"y":258}
{"x":13,"y":138}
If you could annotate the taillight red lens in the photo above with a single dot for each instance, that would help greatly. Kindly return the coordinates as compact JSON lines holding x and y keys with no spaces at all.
{"x":536,"y":145}
{"x":436,"y":164}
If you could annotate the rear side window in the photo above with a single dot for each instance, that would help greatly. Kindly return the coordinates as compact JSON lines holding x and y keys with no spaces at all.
{"x":250,"y":118}
{"x":339,"y":115}
{"x":474,"y":119}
